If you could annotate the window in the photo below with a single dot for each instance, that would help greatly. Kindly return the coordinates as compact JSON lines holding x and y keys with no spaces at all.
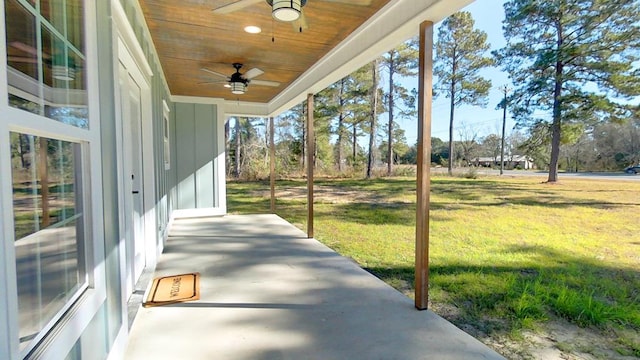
{"x":48,"y":227}
{"x":45,"y":61}
{"x":51,"y":152}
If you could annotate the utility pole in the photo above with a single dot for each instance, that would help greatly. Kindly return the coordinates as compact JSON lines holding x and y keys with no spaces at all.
{"x":504,"y":89}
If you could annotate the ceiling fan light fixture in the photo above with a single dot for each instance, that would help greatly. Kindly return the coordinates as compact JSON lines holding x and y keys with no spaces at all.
{"x":238,"y":88}
{"x":286,"y":10}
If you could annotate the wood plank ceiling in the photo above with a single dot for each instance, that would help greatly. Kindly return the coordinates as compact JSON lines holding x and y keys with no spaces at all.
{"x":189,"y":36}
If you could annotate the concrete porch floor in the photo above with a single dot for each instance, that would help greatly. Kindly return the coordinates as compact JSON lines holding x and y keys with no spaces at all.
{"x":268,"y":292}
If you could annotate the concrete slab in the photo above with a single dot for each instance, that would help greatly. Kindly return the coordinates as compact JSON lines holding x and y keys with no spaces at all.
{"x":268,"y":292}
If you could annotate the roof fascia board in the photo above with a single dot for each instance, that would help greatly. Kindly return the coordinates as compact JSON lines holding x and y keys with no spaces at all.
{"x":229,"y":107}
{"x":245,"y":109}
{"x":197,"y":100}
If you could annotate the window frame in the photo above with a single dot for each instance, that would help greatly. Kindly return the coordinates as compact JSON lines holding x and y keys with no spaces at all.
{"x":77,"y":314}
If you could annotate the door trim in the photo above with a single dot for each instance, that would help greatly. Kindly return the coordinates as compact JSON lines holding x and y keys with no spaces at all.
{"x":130,"y":54}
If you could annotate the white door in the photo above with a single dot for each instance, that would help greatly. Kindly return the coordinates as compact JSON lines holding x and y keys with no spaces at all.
{"x":132,"y":165}
{"x":137,"y":178}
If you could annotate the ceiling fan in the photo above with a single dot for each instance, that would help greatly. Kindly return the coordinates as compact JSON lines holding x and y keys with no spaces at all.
{"x":284,"y":10}
{"x":238,"y":82}
{"x":241,"y":4}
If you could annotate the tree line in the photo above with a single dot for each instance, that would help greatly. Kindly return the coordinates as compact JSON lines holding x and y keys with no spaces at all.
{"x":575,"y":72}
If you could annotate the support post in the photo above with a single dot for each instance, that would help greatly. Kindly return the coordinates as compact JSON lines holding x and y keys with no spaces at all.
{"x":310,"y":164}
{"x":272,"y":164}
{"x":425,"y":79}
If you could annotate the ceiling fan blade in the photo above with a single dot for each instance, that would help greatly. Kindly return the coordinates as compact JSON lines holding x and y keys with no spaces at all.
{"x":252,"y":73}
{"x":212,"y":82}
{"x":235,"y":6}
{"x":352,"y":2}
{"x":301,"y":23}
{"x":214,"y":73}
{"x":265,"y":83}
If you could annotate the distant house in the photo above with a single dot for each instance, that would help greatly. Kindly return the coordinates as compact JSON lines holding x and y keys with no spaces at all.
{"x":511,"y":162}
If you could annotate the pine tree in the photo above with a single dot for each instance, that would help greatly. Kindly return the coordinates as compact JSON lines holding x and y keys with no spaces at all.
{"x":342,"y":104}
{"x":572,"y":62}
{"x":459,"y":57}
{"x":360,"y":106}
{"x":401,"y":61}
{"x":373,"y":117}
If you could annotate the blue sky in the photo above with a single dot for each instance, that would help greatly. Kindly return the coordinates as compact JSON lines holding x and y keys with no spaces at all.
{"x":488,"y":16}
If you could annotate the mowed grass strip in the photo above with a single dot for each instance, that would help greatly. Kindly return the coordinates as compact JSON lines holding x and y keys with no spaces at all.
{"x":506,"y":253}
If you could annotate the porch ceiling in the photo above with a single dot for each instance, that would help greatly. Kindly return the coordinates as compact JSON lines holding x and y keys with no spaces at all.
{"x":189,"y":35}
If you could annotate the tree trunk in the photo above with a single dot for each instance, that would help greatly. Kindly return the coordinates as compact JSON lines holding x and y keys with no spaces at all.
{"x":267,"y":143}
{"x":303,"y":144}
{"x":340,"y":141}
{"x":227,"y":147}
{"x":557,"y":112}
{"x":355,"y":146}
{"x":43,"y":169}
{"x":451,"y":114}
{"x":555,"y":131}
{"x":236,"y":171}
{"x":341,"y":127}
{"x":374,"y":115}
{"x":390,"y":135}
{"x":22,"y":151}
{"x":504,"y":123}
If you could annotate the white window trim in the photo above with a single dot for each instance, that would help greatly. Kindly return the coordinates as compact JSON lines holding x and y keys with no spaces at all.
{"x":62,"y":338}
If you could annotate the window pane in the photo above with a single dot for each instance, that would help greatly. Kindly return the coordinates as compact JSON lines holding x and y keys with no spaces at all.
{"x":69,"y":13}
{"x":49,"y":229}
{"x":24,"y":104}
{"x":22,"y":52}
{"x":53,"y":12}
{"x":75,"y":23}
{"x":46,"y":70}
{"x":64,"y":82}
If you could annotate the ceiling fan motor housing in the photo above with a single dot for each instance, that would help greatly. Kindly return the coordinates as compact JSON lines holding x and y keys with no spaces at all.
{"x":236,"y":77}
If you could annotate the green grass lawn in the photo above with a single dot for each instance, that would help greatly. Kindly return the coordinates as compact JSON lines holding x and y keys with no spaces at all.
{"x":506,"y":254}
